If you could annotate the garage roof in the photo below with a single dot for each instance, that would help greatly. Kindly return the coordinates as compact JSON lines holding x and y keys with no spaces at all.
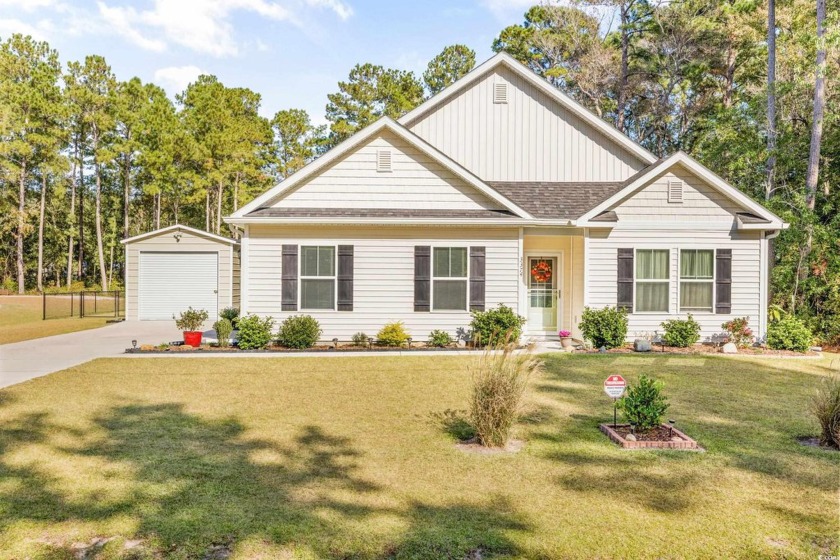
{"x":180,"y":227}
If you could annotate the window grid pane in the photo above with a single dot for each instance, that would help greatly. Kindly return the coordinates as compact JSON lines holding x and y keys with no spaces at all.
{"x":450,"y":295}
{"x":317,"y":294}
{"x":317,"y":261}
{"x":652,"y":264}
{"x":696,"y":296}
{"x":441,"y":262}
{"x":697,"y":264}
{"x":652,"y":296}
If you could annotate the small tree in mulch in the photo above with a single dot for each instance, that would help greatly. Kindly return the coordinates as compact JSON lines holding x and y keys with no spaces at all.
{"x":644,"y":404}
{"x":499,"y":379}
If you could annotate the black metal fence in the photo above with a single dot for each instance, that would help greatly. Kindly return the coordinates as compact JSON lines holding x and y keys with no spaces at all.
{"x":84,"y":304}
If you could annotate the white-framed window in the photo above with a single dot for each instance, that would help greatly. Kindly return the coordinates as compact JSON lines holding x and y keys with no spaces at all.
{"x":449,"y":278}
{"x":697,"y":279}
{"x":317,"y":277}
{"x":652,"y":281}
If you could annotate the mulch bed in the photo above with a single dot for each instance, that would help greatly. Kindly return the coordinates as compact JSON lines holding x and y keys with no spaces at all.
{"x":707,"y":349}
{"x":662,"y":437}
{"x":207,"y":349}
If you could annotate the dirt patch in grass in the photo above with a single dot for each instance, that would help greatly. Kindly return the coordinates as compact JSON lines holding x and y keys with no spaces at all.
{"x":814,"y":441}
{"x":474,"y":446}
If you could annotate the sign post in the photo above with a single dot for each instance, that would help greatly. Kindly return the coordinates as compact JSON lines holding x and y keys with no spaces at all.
{"x":614,"y":386}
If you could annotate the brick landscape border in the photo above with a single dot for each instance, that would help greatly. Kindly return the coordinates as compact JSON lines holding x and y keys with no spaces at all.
{"x":687,"y":443}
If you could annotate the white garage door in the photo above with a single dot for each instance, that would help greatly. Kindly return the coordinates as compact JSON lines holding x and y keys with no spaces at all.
{"x":171,"y":282}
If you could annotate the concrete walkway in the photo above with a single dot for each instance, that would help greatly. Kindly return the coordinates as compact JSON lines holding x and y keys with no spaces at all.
{"x":25,"y":360}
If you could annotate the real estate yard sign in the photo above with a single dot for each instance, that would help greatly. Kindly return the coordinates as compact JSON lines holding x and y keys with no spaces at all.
{"x":614,"y":386}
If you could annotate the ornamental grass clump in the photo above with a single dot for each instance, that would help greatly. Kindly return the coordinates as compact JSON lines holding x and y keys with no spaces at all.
{"x":825,"y":406}
{"x":499,"y":378}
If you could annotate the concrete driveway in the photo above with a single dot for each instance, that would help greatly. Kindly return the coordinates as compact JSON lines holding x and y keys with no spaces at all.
{"x":25,"y":360}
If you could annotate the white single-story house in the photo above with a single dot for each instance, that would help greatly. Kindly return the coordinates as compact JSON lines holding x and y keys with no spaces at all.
{"x":499,"y":190}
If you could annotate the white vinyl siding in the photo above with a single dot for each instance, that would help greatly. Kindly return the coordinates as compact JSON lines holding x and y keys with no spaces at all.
{"x":188,"y":242}
{"x":746,"y":272}
{"x":415,"y":181}
{"x":700,"y":204}
{"x":169,"y":283}
{"x":530,"y":137}
{"x":383,"y":283}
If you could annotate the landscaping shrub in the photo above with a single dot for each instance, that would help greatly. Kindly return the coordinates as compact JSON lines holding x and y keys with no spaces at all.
{"x":499,"y":379}
{"x":191,"y":319}
{"x":789,"y":333}
{"x":360,"y":339}
{"x":254,"y":332}
{"x":223,"y":328}
{"x":604,"y":327}
{"x":740,"y":334}
{"x":496,"y":326}
{"x":681,"y":333}
{"x":644,"y":404}
{"x":826,"y":408}
{"x":299,"y":331}
{"x":439,"y":338}
{"x":231,"y":314}
{"x":392,"y":334}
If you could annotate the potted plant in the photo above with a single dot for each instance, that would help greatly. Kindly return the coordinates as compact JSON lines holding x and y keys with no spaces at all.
{"x":565,"y":338}
{"x":190,"y":322}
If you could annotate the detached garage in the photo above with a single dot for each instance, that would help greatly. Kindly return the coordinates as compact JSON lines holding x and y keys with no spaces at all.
{"x":171,"y":269}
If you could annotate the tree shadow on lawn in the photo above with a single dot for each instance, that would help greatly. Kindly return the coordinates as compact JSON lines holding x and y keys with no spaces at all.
{"x":751,"y":416}
{"x":195,"y":483}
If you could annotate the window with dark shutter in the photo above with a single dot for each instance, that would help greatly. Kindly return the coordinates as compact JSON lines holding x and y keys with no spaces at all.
{"x":345,"y":278}
{"x":289,"y":275}
{"x":477,"y":282}
{"x":625,"y":279}
{"x":723,"y":281}
{"x":422,"y":277}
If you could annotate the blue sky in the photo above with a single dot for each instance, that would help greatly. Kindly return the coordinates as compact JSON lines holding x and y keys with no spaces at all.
{"x":293,"y":52}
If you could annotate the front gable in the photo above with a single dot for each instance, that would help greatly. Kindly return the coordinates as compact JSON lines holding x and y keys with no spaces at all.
{"x":414,"y":181}
{"x":525,"y":131}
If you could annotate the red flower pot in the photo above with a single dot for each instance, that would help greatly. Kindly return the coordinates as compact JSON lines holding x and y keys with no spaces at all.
{"x":192,"y":338}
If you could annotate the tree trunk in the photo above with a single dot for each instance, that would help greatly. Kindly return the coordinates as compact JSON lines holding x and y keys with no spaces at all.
{"x":41,"y":232}
{"x":219,"y":208}
{"x":812,"y":176}
{"x":21,"y":271}
{"x":100,"y":250}
{"x":126,"y":193}
{"x":72,"y":219}
{"x":207,"y":210}
{"x":111,"y":267}
{"x":81,"y":270}
{"x":770,"y":180}
{"x":157,"y":211}
{"x":236,"y":193}
{"x":625,"y":55}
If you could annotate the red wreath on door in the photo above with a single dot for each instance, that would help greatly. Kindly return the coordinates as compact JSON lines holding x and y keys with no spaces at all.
{"x":541,"y":272}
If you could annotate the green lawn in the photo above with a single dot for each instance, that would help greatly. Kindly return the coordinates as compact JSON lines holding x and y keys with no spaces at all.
{"x":354,"y":458}
{"x":21,"y":319}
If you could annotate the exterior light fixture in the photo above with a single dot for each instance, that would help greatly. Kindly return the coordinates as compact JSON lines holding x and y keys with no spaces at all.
{"x":671,"y":427}
{"x":134,"y":344}
{"x":409,"y":341}
{"x":335,"y":343}
{"x":370,"y":342}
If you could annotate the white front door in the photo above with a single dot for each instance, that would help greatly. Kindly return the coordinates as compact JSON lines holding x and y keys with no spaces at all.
{"x":543,"y":281}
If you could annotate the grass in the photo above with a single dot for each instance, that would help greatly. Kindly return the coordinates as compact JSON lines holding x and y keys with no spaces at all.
{"x":21,"y":319}
{"x":354,"y":458}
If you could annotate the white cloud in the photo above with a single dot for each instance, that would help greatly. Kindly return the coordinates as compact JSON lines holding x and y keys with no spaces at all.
{"x":204,"y":25}
{"x":175,"y":79}
{"x":39,"y":31}
{"x":30,"y":5}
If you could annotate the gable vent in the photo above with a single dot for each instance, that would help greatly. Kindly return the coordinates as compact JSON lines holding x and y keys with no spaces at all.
{"x":675,"y":191}
{"x":383,"y":160}
{"x":500,"y":93}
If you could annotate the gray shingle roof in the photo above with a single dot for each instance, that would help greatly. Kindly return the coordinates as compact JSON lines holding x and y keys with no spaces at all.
{"x":608,"y":216}
{"x":561,"y":201}
{"x":377,"y":213}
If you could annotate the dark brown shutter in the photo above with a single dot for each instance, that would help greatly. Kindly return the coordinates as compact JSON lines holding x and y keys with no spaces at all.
{"x":288,"y":300}
{"x":345,"y":278}
{"x":477,"y":260}
{"x":723,"y":281}
{"x":625,"y":279}
{"x":422,"y":277}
